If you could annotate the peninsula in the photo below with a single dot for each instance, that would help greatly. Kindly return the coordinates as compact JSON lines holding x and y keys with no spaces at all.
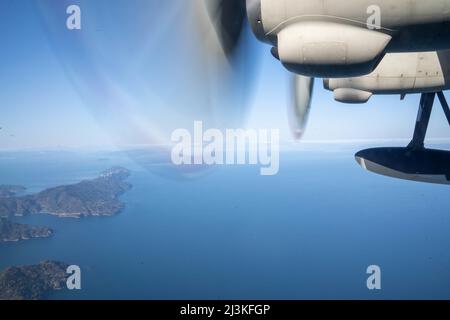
{"x":95,"y":197}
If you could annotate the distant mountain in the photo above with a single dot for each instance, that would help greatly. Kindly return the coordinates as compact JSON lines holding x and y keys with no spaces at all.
{"x":32,"y":282}
{"x":10,"y":231}
{"x":96,"y":197}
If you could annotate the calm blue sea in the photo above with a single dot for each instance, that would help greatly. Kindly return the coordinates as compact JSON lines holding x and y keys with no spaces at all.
{"x":309,"y":232}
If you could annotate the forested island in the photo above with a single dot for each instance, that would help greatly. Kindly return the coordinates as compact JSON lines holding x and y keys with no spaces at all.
{"x":13,"y":232}
{"x":32,"y":282}
{"x":10,"y":190}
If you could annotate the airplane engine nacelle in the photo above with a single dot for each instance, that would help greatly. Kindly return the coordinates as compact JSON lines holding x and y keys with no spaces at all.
{"x":352,"y":96}
{"x":330,"y":50}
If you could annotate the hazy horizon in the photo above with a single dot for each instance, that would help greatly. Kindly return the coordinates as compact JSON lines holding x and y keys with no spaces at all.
{"x":88,"y":88}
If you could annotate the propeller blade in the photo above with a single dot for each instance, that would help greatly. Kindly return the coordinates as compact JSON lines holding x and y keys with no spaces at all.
{"x":229,"y":54}
{"x":301,"y":105}
{"x":228,"y":17}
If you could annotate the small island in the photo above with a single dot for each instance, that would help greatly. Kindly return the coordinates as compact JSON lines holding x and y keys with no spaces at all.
{"x":10,"y":190}
{"x":96,"y":197}
{"x":32,"y":282}
{"x":13,"y":232}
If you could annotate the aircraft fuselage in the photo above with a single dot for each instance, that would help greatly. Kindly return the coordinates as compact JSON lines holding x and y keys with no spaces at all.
{"x":398,"y":73}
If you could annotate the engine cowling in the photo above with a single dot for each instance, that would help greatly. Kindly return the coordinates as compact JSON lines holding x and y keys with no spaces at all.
{"x":322,"y":49}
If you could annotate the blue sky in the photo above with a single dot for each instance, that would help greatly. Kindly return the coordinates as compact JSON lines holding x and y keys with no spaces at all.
{"x":137,"y":70}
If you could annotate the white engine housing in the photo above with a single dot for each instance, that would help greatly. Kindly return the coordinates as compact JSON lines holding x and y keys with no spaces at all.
{"x":330,"y":50}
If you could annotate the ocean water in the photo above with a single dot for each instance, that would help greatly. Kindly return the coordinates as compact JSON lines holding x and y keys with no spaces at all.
{"x":309,"y":232}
